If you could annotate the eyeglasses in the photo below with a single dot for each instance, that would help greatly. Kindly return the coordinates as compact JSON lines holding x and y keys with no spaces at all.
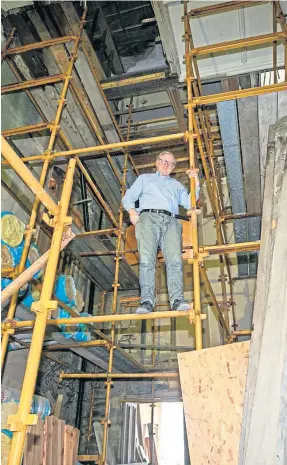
{"x":170,"y":164}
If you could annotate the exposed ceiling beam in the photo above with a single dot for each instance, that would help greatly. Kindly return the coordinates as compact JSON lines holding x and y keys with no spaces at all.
{"x":141,"y":85}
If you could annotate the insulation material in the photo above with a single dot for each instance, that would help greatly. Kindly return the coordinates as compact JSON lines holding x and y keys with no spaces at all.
{"x":79,"y":301}
{"x":5,"y":282}
{"x":12,"y":229}
{"x":40,"y":405}
{"x":65,"y":289}
{"x":7,"y":408}
{"x":5,"y":447}
{"x":33,"y":296}
{"x":7,"y":259}
{"x":79,"y":332}
{"x":33,"y":255}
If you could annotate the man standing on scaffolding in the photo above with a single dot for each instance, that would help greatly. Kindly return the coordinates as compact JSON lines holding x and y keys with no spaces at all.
{"x":157,"y":225}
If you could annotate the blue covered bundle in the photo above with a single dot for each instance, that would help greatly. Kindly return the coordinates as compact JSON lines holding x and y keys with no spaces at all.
{"x":33,"y":295}
{"x":33,"y":255}
{"x":11,"y":257}
{"x":79,"y":332}
{"x":65,"y":289}
{"x":9,"y":396}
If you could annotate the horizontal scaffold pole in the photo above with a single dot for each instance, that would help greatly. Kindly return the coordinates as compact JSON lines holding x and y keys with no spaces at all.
{"x":104,"y":319}
{"x":238,"y":44}
{"x":235,"y":94}
{"x":229,"y":248}
{"x":44,"y":81}
{"x":171,"y":374}
{"x":223,"y":7}
{"x":97,"y":232}
{"x":37,"y":45}
{"x":88,"y":151}
{"x":206,"y":249}
{"x":132,"y":80}
{"x":27,"y":129}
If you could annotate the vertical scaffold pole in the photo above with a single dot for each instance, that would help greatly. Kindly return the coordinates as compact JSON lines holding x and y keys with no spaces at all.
{"x":30,"y":228}
{"x":196,"y":275}
{"x":118,"y":258}
{"x":43,"y":308}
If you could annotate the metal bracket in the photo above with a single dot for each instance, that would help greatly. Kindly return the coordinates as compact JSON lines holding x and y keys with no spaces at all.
{"x":104,"y":421}
{"x":52,"y":221}
{"x":29,"y":232}
{"x":8,"y":330}
{"x":200,"y":257}
{"x":38,"y":307}
{"x":109,"y":382}
{"x":16,"y":424}
{"x":48,"y":220}
{"x":191,"y":316}
{"x":68,"y":220}
{"x":187,"y":135}
{"x":8,"y":325}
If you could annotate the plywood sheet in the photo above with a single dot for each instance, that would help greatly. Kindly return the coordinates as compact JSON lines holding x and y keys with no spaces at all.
{"x":213,"y":384}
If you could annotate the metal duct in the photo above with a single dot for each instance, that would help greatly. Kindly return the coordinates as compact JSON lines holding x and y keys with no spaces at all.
{"x":228,"y":121}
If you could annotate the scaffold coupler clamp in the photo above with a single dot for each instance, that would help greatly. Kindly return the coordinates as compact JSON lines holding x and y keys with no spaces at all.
{"x":17,"y":424}
{"x":48,"y":307}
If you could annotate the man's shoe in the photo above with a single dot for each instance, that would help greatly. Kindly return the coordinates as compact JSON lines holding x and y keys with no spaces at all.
{"x":180,"y":305}
{"x":145,"y":307}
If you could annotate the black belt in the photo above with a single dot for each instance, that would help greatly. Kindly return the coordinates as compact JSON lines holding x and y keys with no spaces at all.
{"x":166,"y":212}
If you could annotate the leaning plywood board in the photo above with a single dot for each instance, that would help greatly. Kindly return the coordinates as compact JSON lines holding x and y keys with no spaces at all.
{"x":213,"y":384}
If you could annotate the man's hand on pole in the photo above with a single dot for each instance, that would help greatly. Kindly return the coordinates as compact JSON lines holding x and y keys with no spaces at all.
{"x":193,"y":173}
{"x":134,"y":216}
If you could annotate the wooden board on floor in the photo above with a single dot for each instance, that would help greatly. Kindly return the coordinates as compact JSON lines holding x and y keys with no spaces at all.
{"x":54,"y":441}
{"x":71,"y":445}
{"x":34,"y":447}
{"x":213,"y":384}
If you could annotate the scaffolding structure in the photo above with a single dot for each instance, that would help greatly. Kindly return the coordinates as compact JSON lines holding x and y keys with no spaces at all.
{"x":199,"y":132}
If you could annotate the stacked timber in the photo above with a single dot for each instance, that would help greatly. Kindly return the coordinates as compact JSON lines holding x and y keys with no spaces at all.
{"x":264,"y":427}
{"x":51,"y":442}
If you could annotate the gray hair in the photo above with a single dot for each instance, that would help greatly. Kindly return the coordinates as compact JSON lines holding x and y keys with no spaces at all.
{"x":166,"y":152}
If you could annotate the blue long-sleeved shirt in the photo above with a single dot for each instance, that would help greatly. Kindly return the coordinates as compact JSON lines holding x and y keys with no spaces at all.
{"x":159,"y":192}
